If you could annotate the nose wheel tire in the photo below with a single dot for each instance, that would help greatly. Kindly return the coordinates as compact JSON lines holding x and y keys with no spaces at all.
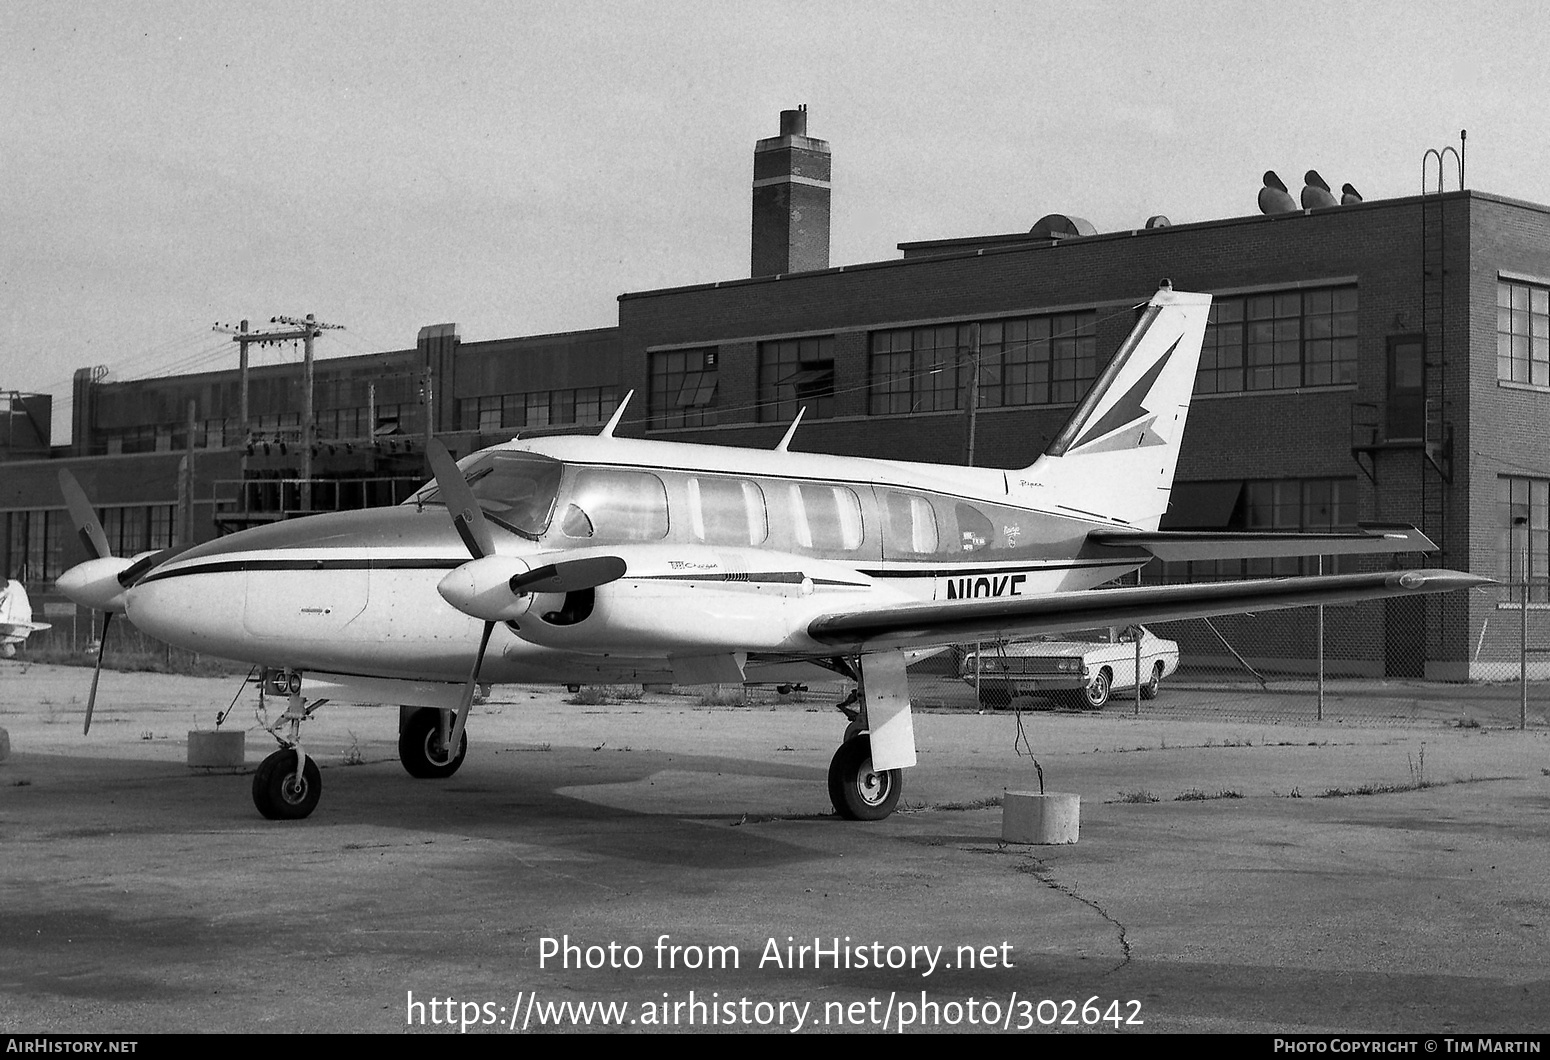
{"x":420,"y":748}
{"x":283,"y":794}
{"x":859,"y":792}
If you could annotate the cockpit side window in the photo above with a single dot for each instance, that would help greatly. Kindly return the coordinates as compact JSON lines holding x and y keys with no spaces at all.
{"x":609,"y":506}
{"x":516,"y":490}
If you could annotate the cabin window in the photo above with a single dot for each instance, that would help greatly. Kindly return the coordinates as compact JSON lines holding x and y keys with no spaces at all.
{"x":911,"y":526}
{"x":824,"y":518}
{"x":609,"y":506}
{"x":727,"y":512}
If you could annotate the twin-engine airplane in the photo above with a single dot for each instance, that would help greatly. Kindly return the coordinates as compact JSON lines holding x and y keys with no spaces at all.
{"x":16,"y":623}
{"x":603,"y":559}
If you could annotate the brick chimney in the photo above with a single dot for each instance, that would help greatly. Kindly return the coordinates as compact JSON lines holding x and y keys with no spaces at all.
{"x":790,"y":199}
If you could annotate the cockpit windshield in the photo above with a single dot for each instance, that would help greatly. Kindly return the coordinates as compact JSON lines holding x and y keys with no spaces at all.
{"x":516,"y":490}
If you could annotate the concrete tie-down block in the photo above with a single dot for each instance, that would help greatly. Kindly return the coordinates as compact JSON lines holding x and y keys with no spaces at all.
{"x":1047,"y":818}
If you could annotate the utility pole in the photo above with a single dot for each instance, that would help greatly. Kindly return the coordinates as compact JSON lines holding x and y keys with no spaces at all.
{"x":241,"y":338}
{"x":974,"y":387}
{"x":306,"y":329}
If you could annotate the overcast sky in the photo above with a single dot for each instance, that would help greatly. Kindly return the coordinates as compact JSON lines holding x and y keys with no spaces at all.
{"x":514,"y":166}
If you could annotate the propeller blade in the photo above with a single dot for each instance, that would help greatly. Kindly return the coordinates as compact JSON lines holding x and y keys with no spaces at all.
{"x":454,"y":739}
{"x":102,"y":646}
{"x":84,"y":516}
{"x":467,"y":517}
{"x":570,"y":575}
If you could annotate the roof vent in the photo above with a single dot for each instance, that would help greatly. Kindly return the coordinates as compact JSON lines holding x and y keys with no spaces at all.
{"x":1273,"y":197}
{"x":1158,"y":220}
{"x":1061,"y":226}
{"x":1315,"y":192}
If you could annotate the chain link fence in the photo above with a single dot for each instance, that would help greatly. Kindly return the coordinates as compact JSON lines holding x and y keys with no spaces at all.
{"x":1400,"y":661}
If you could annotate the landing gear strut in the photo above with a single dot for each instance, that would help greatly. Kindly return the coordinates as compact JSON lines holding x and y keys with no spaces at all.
{"x":858,"y":790}
{"x":422,"y":746}
{"x":287,"y":784}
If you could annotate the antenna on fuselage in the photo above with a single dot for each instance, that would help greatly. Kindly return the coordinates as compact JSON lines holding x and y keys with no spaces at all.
{"x":785,"y":443}
{"x":613,"y":421}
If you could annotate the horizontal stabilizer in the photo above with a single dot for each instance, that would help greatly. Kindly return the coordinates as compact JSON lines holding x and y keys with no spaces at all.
{"x":1173,"y":545}
{"x":914,"y":625}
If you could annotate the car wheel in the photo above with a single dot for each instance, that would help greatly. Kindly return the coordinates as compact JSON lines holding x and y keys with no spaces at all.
{"x":1096,"y":694}
{"x":1149,"y":690}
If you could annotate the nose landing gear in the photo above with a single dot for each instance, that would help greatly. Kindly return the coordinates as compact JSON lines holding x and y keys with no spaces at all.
{"x":287,"y":784}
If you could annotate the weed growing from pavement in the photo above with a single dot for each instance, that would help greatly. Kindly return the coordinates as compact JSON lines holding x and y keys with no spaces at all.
{"x":1137,"y":796}
{"x":1196,"y":795}
{"x":600,"y":695}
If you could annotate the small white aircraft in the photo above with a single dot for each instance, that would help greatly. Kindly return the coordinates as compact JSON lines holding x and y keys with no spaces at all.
{"x":587,"y":559}
{"x":16,"y":622}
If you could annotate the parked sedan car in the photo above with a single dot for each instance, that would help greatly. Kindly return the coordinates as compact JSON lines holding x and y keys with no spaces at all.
{"x":1081,"y":668}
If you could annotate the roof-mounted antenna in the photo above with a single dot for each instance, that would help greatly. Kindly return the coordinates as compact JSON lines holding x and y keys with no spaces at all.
{"x":785,"y":443}
{"x":613,"y":421}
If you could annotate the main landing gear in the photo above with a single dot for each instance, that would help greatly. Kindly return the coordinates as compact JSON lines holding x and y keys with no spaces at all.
{"x":857,"y":790}
{"x":422,"y":744}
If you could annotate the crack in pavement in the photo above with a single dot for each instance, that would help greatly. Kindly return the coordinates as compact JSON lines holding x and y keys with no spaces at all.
{"x":1035,"y":868}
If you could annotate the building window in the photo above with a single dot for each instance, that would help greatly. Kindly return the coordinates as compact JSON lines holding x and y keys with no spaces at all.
{"x":683,"y":389}
{"x":1043,"y":360}
{"x":1312,"y":506}
{"x":796,"y":373}
{"x":537,"y":408}
{"x":1279,"y":341}
{"x":594,"y":404}
{"x":1523,"y":499}
{"x":1048,"y":360}
{"x":916,"y":369}
{"x":1523,"y":333}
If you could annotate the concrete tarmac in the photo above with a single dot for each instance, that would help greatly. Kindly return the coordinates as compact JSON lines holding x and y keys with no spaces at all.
{"x":661,"y":864}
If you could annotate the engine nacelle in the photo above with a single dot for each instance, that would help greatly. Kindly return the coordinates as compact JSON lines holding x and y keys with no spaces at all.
{"x":703,"y":600}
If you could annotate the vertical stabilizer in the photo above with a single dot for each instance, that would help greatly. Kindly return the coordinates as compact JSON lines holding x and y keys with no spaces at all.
{"x":15,"y":608}
{"x":1116,"y":456}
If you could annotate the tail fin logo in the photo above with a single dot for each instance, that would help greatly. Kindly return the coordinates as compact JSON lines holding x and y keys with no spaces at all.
{"x":1126,"y":412}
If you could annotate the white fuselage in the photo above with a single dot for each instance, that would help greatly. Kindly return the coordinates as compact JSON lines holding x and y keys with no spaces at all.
{"x":729,"y":551}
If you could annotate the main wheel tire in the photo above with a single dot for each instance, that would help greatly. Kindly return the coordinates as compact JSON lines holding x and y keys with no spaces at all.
{"x":420,"y":748}
{"x":280,"y":793}
{"x":1149,"y":690}
{"x":859,"y":792}
{"x":1096,"y":694}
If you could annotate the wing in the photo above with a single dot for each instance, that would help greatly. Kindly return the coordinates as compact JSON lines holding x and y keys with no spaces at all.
{"x":923,"y":625}
{"x":12,"y":629}
{"x":1171,"y":545}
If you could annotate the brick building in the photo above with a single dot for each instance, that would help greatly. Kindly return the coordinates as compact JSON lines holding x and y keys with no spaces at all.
{"x":1381,"y":361}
